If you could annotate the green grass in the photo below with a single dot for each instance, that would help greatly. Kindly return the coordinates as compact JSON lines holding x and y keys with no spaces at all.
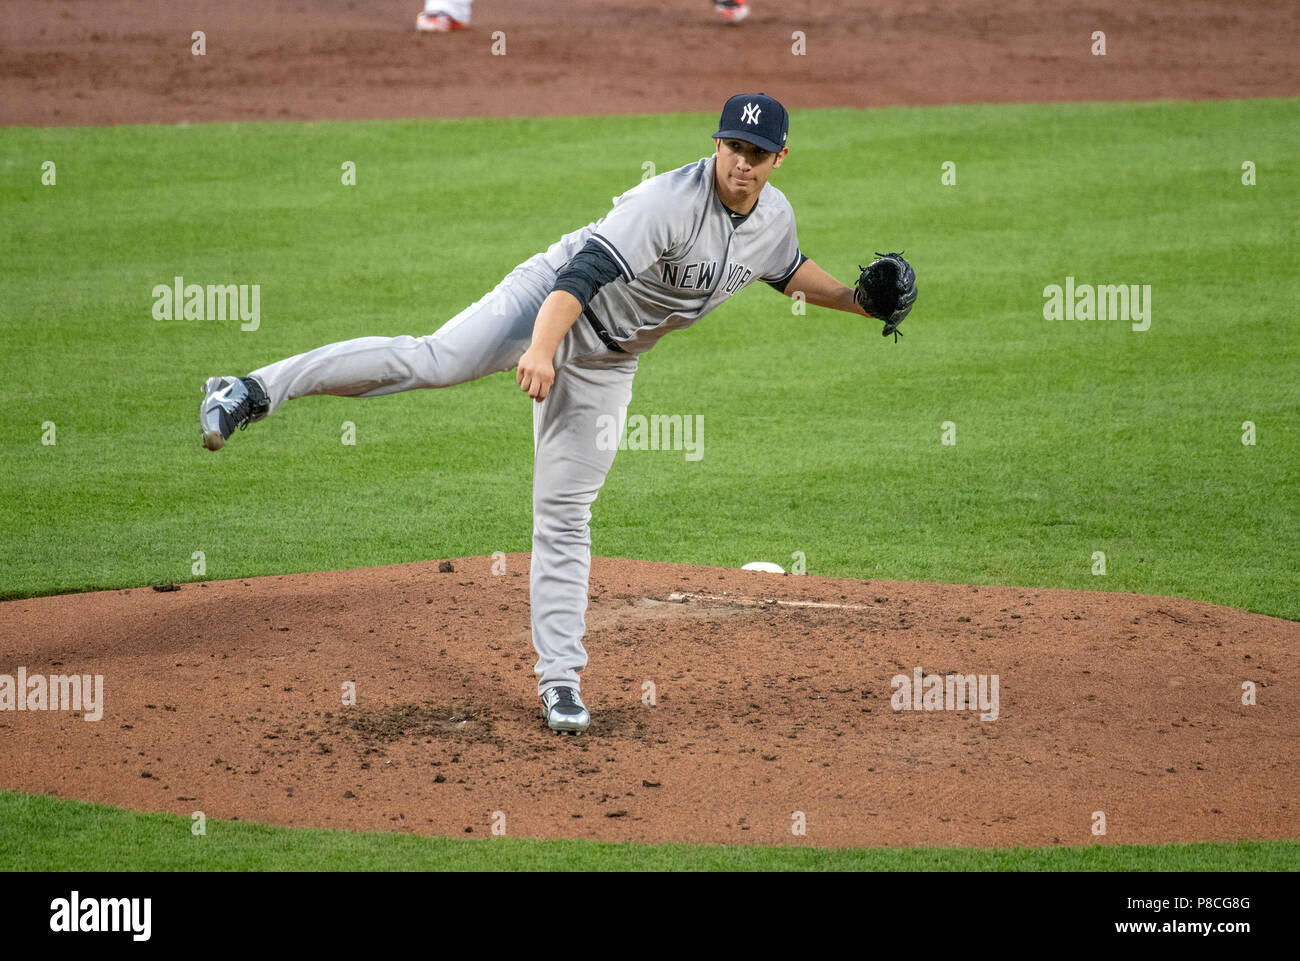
{"x":44,"y":833}
{"x":1073,"y":437}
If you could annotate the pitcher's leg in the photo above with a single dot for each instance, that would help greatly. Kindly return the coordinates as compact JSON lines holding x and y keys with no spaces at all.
{"x":576,"y":432}
{"x":488,"y":336}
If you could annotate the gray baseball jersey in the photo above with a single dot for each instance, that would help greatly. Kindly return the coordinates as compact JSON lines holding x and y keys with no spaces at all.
{"x":679,"y":255}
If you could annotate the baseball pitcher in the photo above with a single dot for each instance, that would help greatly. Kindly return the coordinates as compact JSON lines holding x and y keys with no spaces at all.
{"x":572,"y":322}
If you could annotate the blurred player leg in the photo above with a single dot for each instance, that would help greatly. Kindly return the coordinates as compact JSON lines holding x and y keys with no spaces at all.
{"x":443,"y":16}
{"x":576,"y":432}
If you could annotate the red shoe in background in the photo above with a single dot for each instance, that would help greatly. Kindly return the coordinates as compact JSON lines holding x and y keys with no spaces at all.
{"x":437,"y":23}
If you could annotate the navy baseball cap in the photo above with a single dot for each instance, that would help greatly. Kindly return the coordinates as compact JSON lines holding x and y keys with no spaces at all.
{"x":755,"y":118}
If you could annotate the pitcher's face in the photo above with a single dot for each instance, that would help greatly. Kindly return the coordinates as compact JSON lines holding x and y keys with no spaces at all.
{"x":742,"y":170}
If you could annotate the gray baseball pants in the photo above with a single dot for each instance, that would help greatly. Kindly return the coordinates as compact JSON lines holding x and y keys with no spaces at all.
{"x":592,"y":383}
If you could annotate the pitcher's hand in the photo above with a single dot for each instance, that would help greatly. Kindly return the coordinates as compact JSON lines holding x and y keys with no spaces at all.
{"x":535,"y":374}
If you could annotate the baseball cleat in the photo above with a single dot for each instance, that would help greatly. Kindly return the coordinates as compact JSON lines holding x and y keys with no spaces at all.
{"x":229,"y":402}
{"x":437,"y":23}
{"x":732,"y":11}
{"x":564,"y":710}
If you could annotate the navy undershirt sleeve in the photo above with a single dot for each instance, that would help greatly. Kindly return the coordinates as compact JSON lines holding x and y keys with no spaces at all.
{"x":590,"y":269}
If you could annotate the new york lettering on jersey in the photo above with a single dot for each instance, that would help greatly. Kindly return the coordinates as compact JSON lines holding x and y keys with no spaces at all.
{"x":700,"y":276}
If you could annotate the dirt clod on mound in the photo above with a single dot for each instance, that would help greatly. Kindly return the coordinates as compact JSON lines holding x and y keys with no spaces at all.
{"x":419,"y":721}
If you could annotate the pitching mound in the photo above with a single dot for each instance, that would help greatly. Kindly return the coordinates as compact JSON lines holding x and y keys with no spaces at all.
{"x":771,"y":709}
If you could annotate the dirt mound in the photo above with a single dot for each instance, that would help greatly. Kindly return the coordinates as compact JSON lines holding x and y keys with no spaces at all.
{"x":771,"y":703}
{"x":132,"y":61}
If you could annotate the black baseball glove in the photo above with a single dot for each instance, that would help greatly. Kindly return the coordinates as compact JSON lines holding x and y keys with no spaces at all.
{"x":886,"y":289}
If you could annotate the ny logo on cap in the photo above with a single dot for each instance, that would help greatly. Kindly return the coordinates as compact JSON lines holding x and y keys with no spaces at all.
{"x":751,"y":113}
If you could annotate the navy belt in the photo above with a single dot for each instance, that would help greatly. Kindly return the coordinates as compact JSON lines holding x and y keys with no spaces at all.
{"x":600,"y":330}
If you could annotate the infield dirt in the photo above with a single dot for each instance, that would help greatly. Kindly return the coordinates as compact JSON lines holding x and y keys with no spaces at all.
{"x":128,"y":61}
